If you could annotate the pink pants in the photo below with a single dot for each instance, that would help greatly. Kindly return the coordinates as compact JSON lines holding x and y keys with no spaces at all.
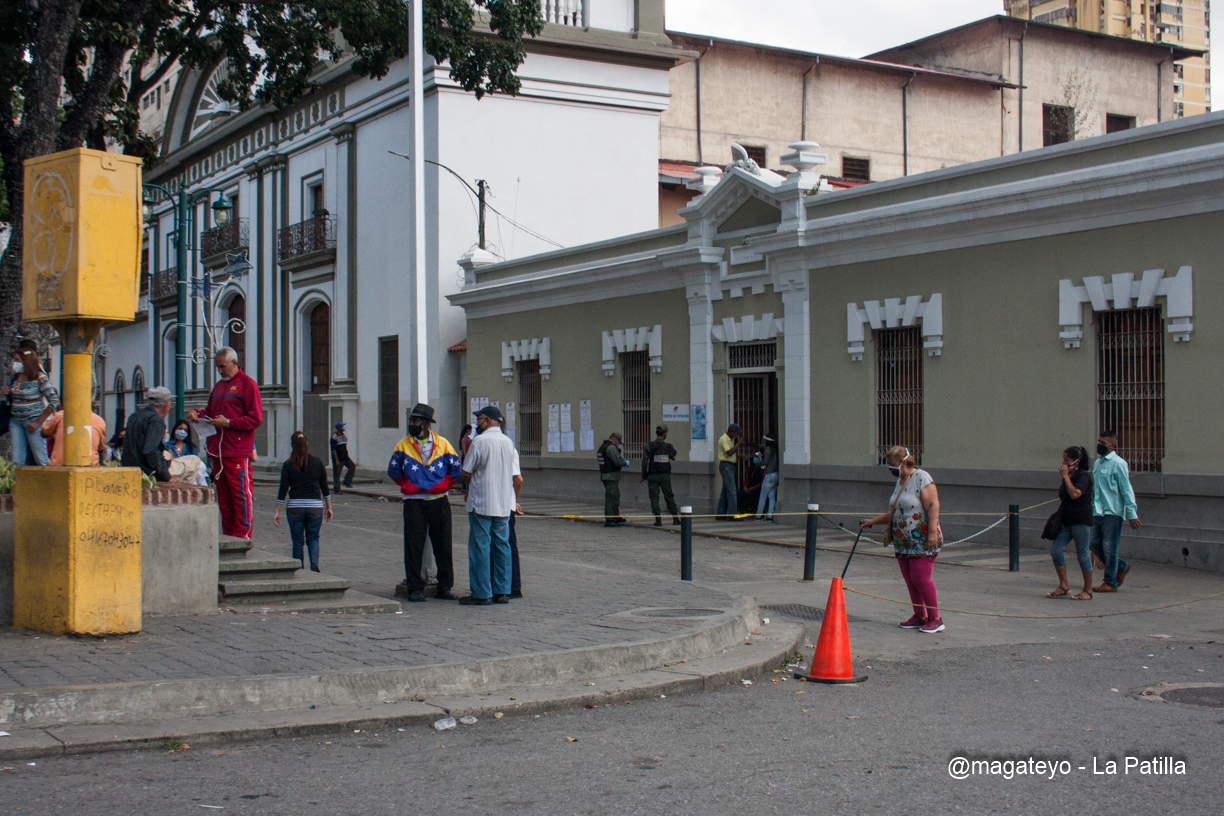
{"x":916,"y":570}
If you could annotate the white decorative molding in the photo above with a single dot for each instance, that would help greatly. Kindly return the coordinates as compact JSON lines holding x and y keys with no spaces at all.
{"x":894,"y":314}
{"x":643,"y":339}
{"x":748,"y":329}
{"x":536,"y":349}
{"x":1124,"y":292}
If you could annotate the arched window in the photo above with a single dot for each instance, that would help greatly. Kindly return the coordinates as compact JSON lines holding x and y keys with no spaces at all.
{"x":120,"y":401}
{"x":138,"y":385}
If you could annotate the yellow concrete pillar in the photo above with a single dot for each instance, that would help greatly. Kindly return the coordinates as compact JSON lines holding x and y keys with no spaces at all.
{"x":77,"y":344}
{"x":76,"y":556}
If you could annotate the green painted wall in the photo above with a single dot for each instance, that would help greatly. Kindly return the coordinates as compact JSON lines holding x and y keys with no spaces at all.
{"x":1005,"y":394}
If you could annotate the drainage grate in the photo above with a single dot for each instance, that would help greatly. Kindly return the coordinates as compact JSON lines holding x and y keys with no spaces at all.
{"x":803,"y":613}
{"x":1209,"y":696}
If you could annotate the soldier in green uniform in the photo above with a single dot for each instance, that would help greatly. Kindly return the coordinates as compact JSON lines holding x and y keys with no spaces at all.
{"x":610,"y":463}
{"x":656,"y":470}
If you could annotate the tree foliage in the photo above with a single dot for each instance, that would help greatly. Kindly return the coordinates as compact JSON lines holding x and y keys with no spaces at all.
{"x":62,"y":68}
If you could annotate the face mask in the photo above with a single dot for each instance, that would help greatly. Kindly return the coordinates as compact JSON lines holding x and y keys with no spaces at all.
{"x":480,"y":430}
{"x":1102,"y":450}
{"x":18,"y":367}
{"x":419,"y":431}
{"x":756,"y":460}
{"x":896,"y":471}
{"x":181,"y":433}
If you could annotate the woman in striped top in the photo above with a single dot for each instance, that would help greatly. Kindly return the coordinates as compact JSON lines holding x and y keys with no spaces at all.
{"x":304,"y":481}
{"x":34,"y":399}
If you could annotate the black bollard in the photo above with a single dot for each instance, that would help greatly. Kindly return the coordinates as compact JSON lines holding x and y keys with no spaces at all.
{"x":809,"y":544}
{"x":686,"y":543}
{"x":1013,"y":538}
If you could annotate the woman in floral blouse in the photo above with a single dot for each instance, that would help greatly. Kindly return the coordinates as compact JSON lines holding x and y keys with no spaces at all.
{"x":34,"y":399}
{"x":913,"y":523}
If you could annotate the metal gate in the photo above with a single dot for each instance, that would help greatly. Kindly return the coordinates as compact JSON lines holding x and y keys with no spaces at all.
{"x":635,"y":403}
{"x":529,"y":407}
{"x":1130,"y":383}
{"x":754,"y":407}
{"x":898,"y":391}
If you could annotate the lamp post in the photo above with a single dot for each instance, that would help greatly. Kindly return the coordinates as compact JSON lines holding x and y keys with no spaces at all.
{"x":222,"y":212}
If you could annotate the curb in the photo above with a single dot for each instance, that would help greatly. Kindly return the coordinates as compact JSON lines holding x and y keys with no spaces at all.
{"x":758,"y":654}
{"x":118,"y":703}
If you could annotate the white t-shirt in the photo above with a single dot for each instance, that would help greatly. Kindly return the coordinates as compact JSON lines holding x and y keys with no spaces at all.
{"x":492,"y":462}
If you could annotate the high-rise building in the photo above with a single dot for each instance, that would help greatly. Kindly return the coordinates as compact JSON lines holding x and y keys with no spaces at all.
{"x":1184,"y":23}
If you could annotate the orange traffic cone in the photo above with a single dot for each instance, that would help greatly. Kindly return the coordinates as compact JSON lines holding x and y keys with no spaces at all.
{"x":832,"y":663}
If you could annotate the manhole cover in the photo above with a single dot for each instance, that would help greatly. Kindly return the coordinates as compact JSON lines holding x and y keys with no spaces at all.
{"x":1209,"y":696}
{"x":803,"y":612}
{"x":676,"y":613}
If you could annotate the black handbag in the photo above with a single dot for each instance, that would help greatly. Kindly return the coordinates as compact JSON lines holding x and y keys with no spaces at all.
{"x":1053,"y":526}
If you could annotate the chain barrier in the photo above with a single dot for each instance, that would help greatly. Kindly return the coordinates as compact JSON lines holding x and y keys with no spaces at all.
{"x":943,"y":608}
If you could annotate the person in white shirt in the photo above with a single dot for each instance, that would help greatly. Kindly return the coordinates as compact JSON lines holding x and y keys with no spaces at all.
{"x":493,"y":487}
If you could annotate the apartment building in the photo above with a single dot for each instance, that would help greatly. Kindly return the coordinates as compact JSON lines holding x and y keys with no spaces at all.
{"x":1180,"y":23}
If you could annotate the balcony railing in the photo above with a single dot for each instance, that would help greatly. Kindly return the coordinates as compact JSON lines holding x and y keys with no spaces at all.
{"x":232,"y":237}
{"x":165,"y":284}
{"x":305,"y":238}
{"x":564,"y":12}
{"x":144,"y":274}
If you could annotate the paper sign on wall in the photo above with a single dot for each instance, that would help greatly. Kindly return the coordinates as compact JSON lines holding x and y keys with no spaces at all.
{"x":567,"y":441}
{"x":586,"y":439}
{"x":554,"y":417}
{"x":675,"y":413}
{"x":510,"y":420}
{"x":698,"y":414}
{"x":475,"y":407}
{"x":566,"y":416}
{"x":584,"y":415}
{"x":554,"y":441}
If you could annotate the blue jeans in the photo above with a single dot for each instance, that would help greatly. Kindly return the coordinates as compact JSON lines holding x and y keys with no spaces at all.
{"x":27,"y":442}
{"x":1082,"y":533}
{"x":727,"y":504}
{"x":489,"y":546}
{"x":1106,"y":533}
{"x":304,"y":525}
{"x":769,"y":490}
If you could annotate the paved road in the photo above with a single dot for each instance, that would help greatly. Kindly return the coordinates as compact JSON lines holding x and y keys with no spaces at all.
{"x":883,"y":747}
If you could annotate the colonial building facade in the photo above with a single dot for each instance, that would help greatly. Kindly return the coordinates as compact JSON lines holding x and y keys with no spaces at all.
{"x":986,"y":316}
{"x":322,"y":204}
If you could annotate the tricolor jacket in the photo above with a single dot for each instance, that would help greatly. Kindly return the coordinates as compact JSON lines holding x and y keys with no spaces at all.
{"x":432,"y":478}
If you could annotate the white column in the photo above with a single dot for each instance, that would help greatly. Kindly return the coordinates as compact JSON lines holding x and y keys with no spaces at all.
{"x":796,"y":330}
{"x":699,"y":288}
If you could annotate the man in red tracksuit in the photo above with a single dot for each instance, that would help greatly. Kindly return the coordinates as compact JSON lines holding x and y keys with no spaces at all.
{"x":235,"y":409}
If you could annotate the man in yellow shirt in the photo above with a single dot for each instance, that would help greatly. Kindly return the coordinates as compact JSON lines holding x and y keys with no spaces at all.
{"x":728,"y":444}
{"x":54,"y":427}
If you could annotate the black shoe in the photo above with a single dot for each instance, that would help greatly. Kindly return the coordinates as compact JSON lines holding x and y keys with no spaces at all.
{"x":416,"y":596}
{"x":468,"y":600}
{"x":658,"y":521}
{"x":445,"y":595}
{"x":501,"y":599}
{"x":515,"y":595}
{"x":348,"y":484}
{"x":675,"y":521}
{"x":611,"y":523}
{"x":621,"y":520}
{"x":314,"y":568}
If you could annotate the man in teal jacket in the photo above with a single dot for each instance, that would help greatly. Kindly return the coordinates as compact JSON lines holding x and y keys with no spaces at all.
{"x":1113,"y":500}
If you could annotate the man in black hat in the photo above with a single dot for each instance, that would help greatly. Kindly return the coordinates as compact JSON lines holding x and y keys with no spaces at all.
{"x":610,"y":464}
{"x":656,"y":470}
{"x":341,"y":458}
{"x":425,"y":466}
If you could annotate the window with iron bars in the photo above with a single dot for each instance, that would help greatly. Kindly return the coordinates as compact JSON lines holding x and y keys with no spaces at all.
{"x":1130,"y":384}
{"x":635,"y":402}
{"x":751,"y":356}
{"x":898,"y":391}
{"x":528,"y":429}
{"x":388,"y":382}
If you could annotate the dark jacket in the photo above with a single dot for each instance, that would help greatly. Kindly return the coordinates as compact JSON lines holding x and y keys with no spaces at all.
{"x":143,"y":444}
{"x":309,"y":482}
{"x":1076,"y":511}
{"x":609,"y":458}
{"x":658,"y":458}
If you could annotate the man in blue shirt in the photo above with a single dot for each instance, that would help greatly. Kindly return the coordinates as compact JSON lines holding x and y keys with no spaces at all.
{"x":1113,"y":500}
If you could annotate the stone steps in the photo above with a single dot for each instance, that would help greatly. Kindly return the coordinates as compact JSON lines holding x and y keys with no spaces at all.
{"x":254,"y":580}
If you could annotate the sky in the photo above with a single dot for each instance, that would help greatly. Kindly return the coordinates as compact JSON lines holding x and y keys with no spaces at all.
{"x":848,"y":28}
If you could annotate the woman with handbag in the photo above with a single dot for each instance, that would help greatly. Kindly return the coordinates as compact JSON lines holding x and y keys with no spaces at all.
{"x":1072,"y":520}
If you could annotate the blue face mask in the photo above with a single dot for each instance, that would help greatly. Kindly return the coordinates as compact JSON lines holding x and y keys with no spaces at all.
{"x":180,"y":434}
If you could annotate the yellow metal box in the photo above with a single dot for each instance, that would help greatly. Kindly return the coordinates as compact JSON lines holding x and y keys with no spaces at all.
{"x":82,"y":236}
{"x":76,"y":550}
